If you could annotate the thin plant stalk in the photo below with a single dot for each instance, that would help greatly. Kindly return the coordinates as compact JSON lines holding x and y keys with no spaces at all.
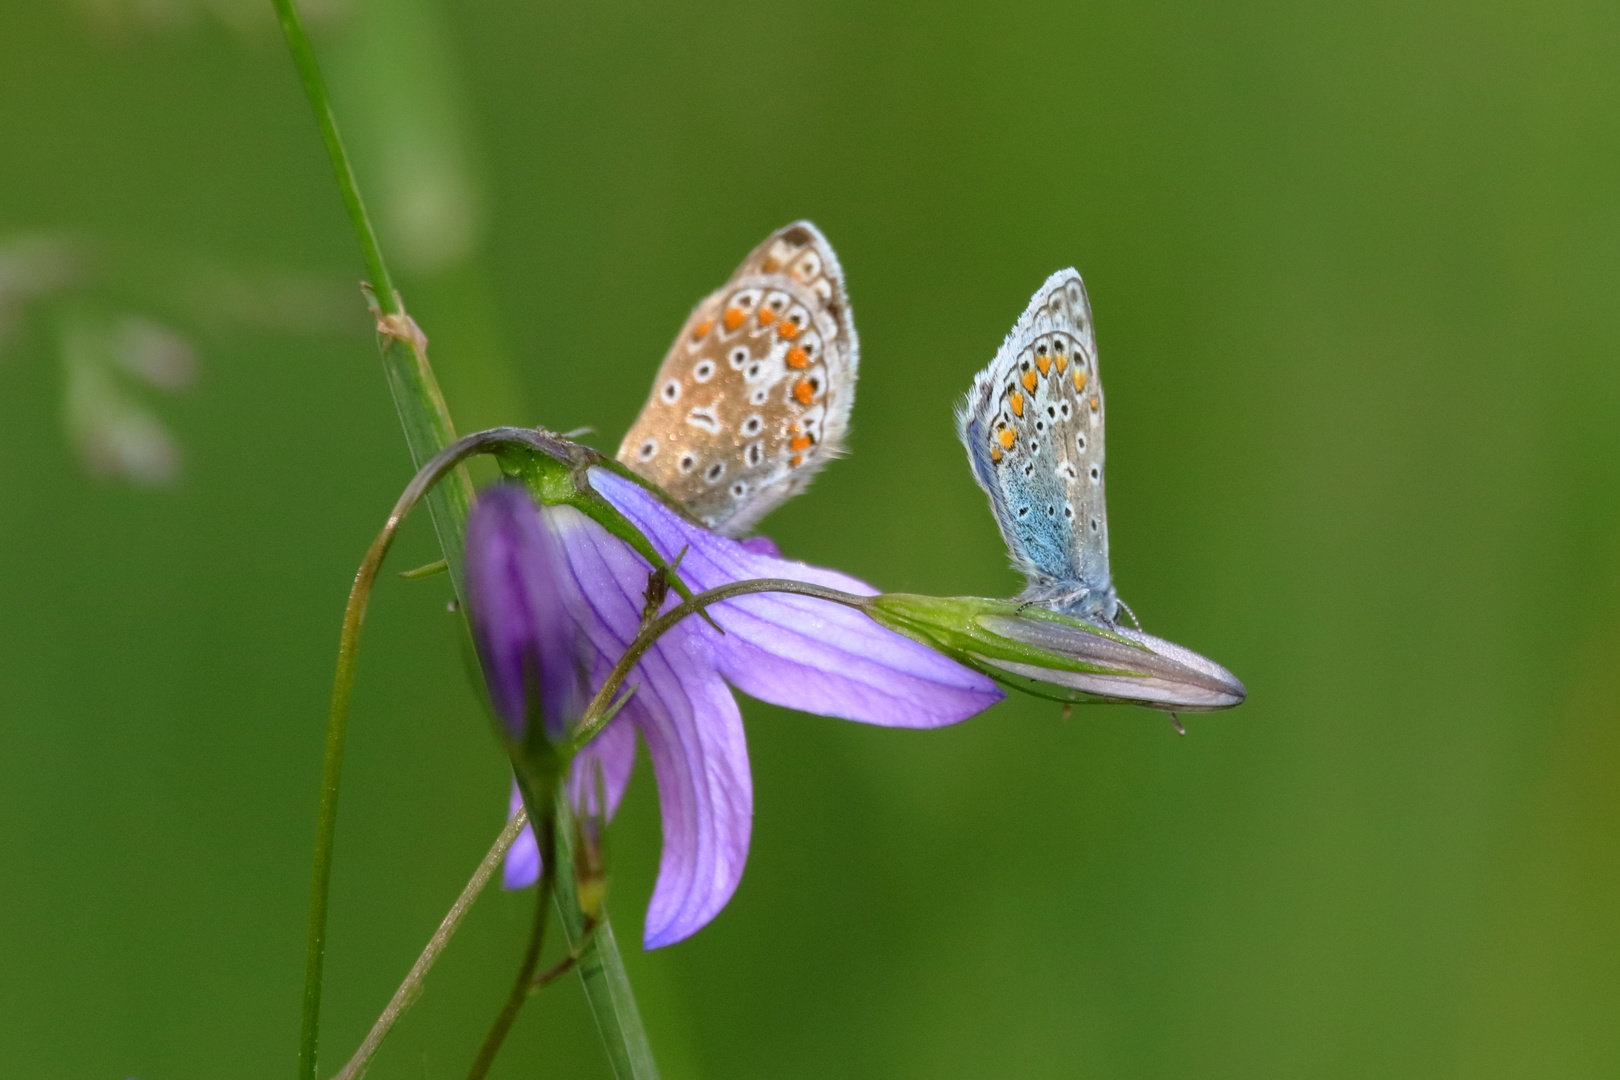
{"x":411,"y":988}
{"x":531,"y":955}
{"x":426,"y":422}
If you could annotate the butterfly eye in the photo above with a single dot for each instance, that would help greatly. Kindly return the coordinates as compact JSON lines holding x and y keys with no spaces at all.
{"x":1023,"y":511}
{"x":739,"y":489}
{"x":1034,"y":447}
{"x":1093,"y":524}
{"x":1051,"y":511}
{"x":672,"y":391}
{"x":738,"y":357}
{"x":1066,"y":411}
{"x":760,"y":396}
{"x":715,"y":471}
{"x":1080,"y":441}
{"x":748,"y":299}
{"x":754,"y":370}
{"x":1096,"y":474}
{"x":753,"y":425}
{"x":688,"y":462}
{"x":1068,"y":511}
{"x":754,"y":454}
{"x":704,"y":371}
{"x":647,"y":450}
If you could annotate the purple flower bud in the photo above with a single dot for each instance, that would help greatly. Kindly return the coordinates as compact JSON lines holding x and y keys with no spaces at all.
{"x":524,"y":635}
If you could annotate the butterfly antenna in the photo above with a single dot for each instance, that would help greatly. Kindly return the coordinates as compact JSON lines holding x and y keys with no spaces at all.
{"x":1175,"y":722}
{"x":1134,"y":619}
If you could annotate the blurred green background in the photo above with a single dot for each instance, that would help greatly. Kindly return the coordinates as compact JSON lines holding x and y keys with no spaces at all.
{"x":1355,"y":271}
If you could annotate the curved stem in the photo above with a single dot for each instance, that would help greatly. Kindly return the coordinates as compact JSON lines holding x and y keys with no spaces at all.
{"x":600,"y":711}
{"x":337,"y":722}
{"x":411,"y":988}
{"x":531,"y":960}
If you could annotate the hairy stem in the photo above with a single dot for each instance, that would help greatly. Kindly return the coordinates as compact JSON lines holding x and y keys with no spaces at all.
{"x":602,"y":709}
{"x":411,"y":988}
{"x":531,"y":956}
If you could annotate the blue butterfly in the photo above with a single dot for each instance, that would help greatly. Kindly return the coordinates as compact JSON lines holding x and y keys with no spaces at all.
{"x":1033,"y":428}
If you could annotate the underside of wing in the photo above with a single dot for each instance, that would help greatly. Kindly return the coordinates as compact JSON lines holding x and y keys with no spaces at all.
{"x":1033,"y":428}
{"x":755,"y":394}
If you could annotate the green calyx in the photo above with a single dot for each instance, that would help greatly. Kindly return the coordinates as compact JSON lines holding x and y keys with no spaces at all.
{"x":557,"y":473}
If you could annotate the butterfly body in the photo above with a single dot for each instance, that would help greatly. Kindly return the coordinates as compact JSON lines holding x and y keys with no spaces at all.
{"x":755,"y":393}
{"x":1033,"y":428}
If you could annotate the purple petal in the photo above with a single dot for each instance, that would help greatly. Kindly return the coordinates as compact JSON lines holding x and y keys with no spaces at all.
{"x":690,"y":723}
{"x":761,"y":545}
{"x":522,"y":866}
{"x":798,"y":651}
{"x":615,"y":748}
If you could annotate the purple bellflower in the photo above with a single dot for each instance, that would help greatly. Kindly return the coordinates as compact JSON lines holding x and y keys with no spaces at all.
{"x":797,"y":651}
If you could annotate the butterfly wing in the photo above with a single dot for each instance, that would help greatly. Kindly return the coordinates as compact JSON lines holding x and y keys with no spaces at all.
{"x":1033,"y":428}
{"x":754,"y":396}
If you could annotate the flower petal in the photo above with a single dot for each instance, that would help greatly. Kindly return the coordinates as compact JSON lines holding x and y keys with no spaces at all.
{"x":798,"y":651}
{"x":615,"y":748}
{"x":522,"y":866}
{"x":689,"y":720}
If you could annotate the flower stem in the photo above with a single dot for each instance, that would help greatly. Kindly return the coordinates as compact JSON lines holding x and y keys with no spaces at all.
{"x":411,"y":988}
{"x":531,"y":956}
{"x":600,"y":966}
{"x":426,"y":421}
{"x":602,"y":709}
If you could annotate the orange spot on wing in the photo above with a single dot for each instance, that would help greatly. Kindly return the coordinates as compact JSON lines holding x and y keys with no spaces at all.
{"x":701,"y":329}
{"x":796,"y":461}
{"x":1094,"y":403}
{"x":1017,"y":403}
{"x":1062,"y":362}
{"x":766,"y":316}
{"x":735,"y":317}
{"x":1007,"y":438}
{"x":789,"y":329}
{"x":1030,"y":379}
{"x":1044,"y":364}
{"x":801,"y":443}
{"x":995,"y":454}
{"x":798,"y":358}
{"x":772,"y":264}
{"x":1079,"y":381}
{"x":803,"y":392}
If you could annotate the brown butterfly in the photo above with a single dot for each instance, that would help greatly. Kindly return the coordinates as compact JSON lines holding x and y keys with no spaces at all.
{"x":754,"y":396}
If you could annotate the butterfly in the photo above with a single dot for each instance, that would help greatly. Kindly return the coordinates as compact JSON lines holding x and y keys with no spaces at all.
{"x":754,"y":395}
{"x":1033,"y":428}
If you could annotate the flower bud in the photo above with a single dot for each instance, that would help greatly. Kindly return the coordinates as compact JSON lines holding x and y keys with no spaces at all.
{"x":520,"y":625}
{"x":1055,"y":656}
